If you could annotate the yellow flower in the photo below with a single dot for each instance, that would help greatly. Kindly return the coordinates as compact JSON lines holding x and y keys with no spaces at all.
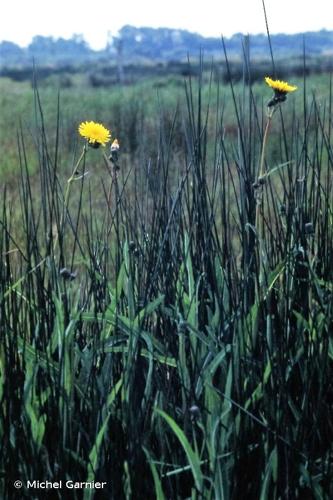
{"x":279,"y":86}
{"x":95,"y":133}
{"x":281,"y":90}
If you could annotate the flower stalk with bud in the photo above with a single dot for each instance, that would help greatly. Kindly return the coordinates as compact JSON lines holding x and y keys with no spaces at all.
{"x":96,"y":135}
{"x":281,"y":90}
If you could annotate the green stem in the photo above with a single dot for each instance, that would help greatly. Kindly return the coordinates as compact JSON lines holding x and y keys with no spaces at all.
{"x":259,"y":220}
{"x":67,"y":192}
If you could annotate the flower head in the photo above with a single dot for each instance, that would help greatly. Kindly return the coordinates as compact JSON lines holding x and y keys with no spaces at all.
{"x":95,"y":133}
{"x":281,"y":89}
{"x":280,"y":86}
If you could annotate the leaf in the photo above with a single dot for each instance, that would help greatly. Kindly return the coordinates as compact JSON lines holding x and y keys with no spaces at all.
{"x":192,"y":457}
{"x":94,"y":453}
{"x":148,"y":309}
{"x":278,"y":167}
{"x":271,"y":469}
{"x":217,"y":361}
{"x":157,"y":482}
{"x":189,"y":267}
{"x":274,"y":275}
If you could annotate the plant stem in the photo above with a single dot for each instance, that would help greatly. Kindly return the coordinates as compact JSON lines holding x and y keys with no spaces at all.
{"x":259,"y":220}
{"x":67,"y":192}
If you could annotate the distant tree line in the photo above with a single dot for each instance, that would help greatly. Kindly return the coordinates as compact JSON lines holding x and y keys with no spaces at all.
{"x":134,"y":45}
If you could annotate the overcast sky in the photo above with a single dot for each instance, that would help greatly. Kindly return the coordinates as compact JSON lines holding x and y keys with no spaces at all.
{"x":20,"y":20}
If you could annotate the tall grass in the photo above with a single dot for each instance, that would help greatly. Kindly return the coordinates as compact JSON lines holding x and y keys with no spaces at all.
{"x":134,"y":348}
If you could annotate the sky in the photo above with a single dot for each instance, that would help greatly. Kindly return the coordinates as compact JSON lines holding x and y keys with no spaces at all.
{"x":20,"y":20}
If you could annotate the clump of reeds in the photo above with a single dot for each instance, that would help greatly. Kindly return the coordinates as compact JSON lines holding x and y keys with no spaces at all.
{"x":163,"y":331}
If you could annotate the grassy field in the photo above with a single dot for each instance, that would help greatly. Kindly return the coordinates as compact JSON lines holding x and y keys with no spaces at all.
{"x":166,"y":316}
